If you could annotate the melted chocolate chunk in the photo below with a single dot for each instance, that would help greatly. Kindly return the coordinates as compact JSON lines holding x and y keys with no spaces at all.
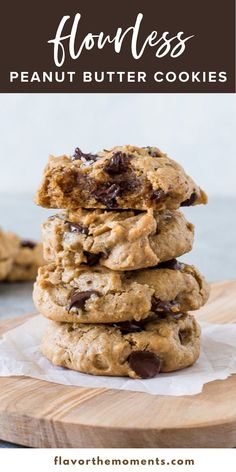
{"x":107,"y":194}
{"x":129,"y":327}
{"x":77,"y":228}
{"x":117,"y":164}
{"x":78,"y":299}
{"x":171,"y":264}
{"x":88,"y":157}
{"x":92,"y":259}
{"x":28,"y":243}
{"x":160,"y":305}
{"x":190,"y":201}
{"x":158,"y":195}
{"x":128,"y":185}
{"x":145,"y":364}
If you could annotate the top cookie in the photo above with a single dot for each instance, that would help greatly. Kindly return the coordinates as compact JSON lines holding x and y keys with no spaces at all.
{"x":125,"y":177}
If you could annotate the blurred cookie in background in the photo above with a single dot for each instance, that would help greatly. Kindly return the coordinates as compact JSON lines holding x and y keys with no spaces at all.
{"x":9,"y":247}
{"x":27,"y":261}
{"x":19,"y":259}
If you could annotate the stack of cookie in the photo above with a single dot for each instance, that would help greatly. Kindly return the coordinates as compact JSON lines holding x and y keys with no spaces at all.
{"x":118,"y":298}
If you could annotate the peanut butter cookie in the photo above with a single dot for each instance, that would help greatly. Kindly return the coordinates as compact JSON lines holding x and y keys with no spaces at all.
{"x":126,"y":177}
{"x":163,"y":345}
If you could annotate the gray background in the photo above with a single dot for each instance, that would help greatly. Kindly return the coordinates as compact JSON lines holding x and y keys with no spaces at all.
{"x":197,"y":130}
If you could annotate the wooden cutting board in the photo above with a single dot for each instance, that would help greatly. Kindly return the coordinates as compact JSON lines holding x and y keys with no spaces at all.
{"x":42,"y":414}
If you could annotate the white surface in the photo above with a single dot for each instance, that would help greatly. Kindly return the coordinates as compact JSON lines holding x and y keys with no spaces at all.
{"x":20,"y":355}
{"x":197,"y":130}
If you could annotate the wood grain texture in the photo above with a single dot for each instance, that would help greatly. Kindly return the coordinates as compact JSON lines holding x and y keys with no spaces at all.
{"x":42,"y":414}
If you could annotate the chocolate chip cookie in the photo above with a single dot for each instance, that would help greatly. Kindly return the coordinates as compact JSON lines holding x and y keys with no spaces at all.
{"x":99,"y":295}
{"x":163,"y":345}
{"x":26,"y":262}
{"x":126,"y":177}
{"x":118,"y":240}
{"x":9,"y":245}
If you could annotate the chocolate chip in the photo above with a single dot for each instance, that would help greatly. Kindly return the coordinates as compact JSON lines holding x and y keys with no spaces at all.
{"x":92,"y":259}
{"x":88,"y":157}
{"x":158,"y":195}
{"x":166,"y":306}
{"x":117,"y":164}
{"x":78,"y":299}
{"x":190,"y":201}
{"x":27,"y":243}
{"x":128,"y":185}
{"x":156,"y":153}
{"x":183,"y":336}
{"x":163,"y":314}
{"x":77,"y":228}
{"x":128,"y":327}
{"x":171,"y":264}
{"x":107,"y":194}
{"x":145,"y":364}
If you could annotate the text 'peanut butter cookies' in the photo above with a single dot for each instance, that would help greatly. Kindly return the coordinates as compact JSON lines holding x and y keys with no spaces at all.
{"x":100,"y":295}
{"x":126,"y":177}
{"x":118,"y":240}
{"x":163,"y":345}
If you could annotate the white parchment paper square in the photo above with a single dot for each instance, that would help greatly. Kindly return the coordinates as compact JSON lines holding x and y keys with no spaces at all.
{"x":20,"y":355}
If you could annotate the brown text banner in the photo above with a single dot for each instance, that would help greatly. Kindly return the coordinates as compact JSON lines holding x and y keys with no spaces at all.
{"x":126,"y":46}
